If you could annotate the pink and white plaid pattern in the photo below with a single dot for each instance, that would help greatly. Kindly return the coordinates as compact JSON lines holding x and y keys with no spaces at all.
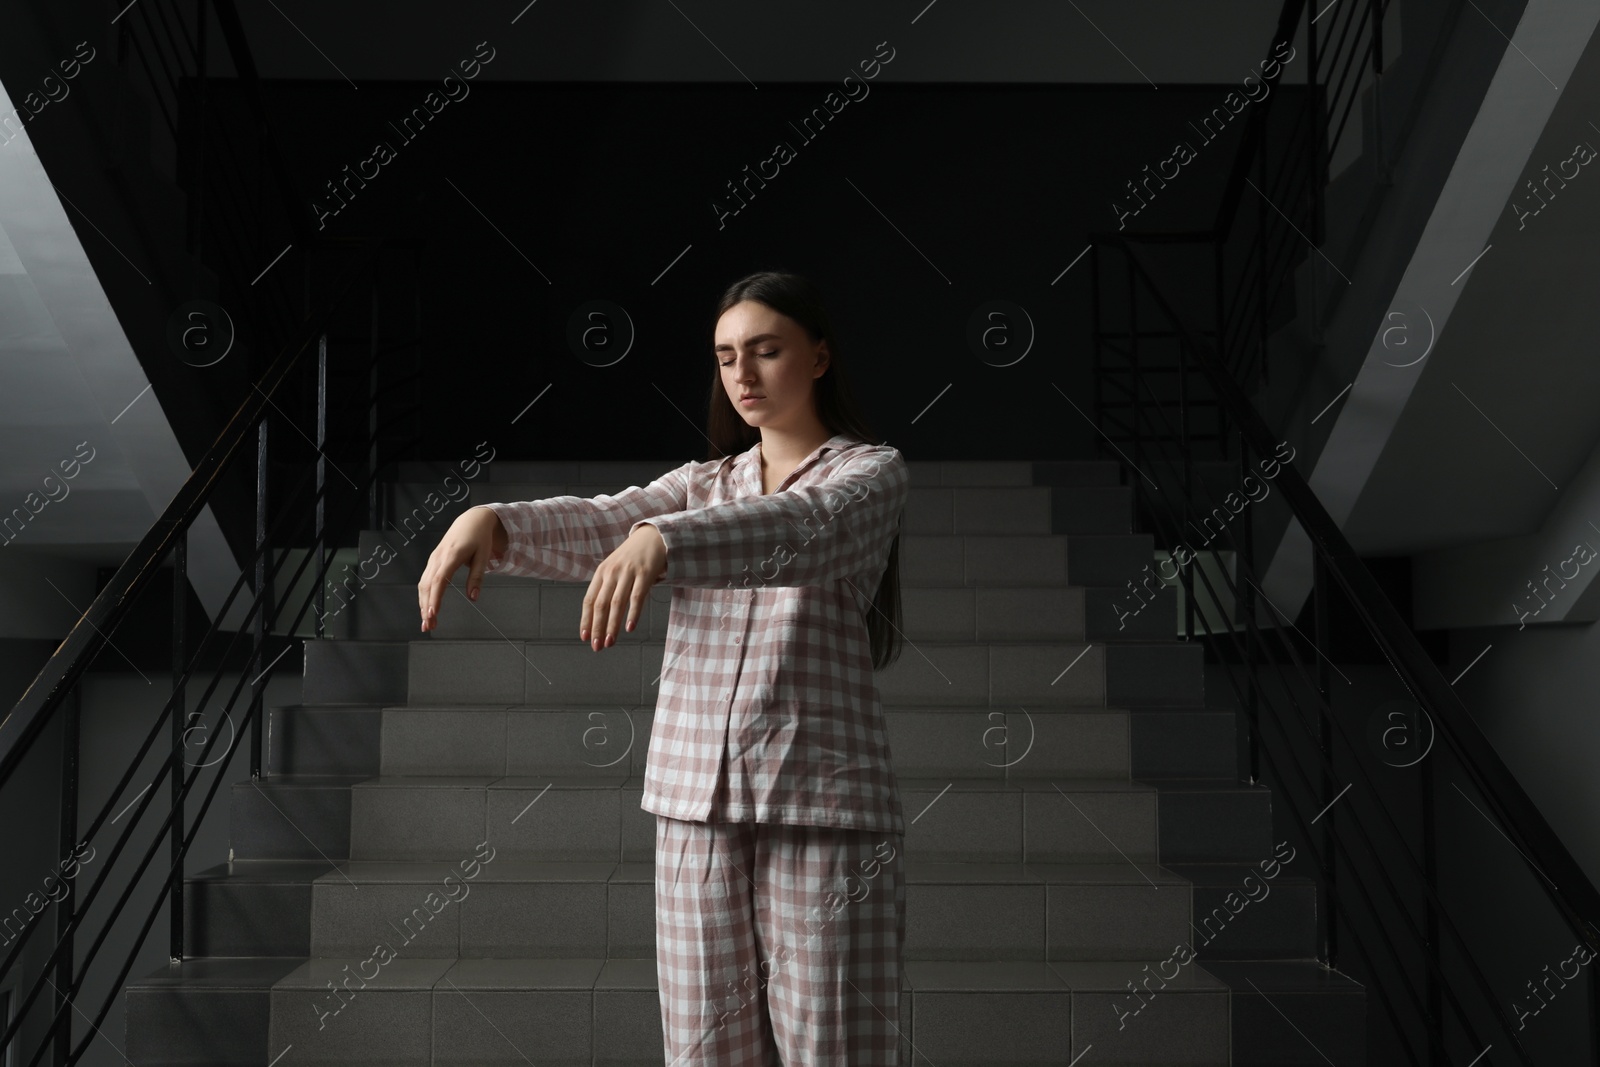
{"x":779,"y":944}
{"x":767,"y":710}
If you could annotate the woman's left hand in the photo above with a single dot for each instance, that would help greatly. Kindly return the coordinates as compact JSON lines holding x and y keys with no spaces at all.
{"x":621,"y":585}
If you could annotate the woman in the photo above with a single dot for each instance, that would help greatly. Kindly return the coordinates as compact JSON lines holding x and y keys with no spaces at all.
{"x":780,"y":898}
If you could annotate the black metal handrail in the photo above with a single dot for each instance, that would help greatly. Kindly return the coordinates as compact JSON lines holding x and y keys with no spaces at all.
{"x":48,"y":695}
{"x":1370,"y":872}
{"x":1282,"y":166}
{"x":1170,"y":395}
{"x":236,"y":224}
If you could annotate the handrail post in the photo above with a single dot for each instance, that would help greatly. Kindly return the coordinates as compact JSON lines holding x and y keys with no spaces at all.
{"x":258,"y":644}
{"x":1430,"y":871}
{"x":66,"y":909}
{"x":374,"y":416}
{"x":318,"y":534}
{"x":180,"y":720}
{"x":1318,"y":137}
{"x":1384,"y":177}
{"x":1243,"y":562}
{"x":1321,"y":588}
{"x":1255,"y":363}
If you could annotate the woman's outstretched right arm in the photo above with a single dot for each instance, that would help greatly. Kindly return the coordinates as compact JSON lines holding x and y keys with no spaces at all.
{"x":561,"y":538}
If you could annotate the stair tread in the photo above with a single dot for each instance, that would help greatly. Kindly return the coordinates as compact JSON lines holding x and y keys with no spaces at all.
{"x":510,"y":868}
{"x":969,"y":783}
{"x":1209,"y":785}
{"x":1231,"y":874}
{"x":894,"y":709}
{"x":623,"y":973}
{"x":1282,"y":976}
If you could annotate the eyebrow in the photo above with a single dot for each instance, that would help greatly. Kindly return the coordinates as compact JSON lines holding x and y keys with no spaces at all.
{"x":752,"y":341}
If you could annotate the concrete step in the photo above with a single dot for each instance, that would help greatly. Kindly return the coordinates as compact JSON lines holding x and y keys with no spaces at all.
{"x":968,"y":911}
{"x":1208,"y":820}
{"x":929,"y":740}
{"x":598,"y":818}
{"x":529,"y":608}
{"x":424,"y":1011}
{"x":551,"y":672}
{"x":958,"y":741}
{"x":927,"y":560}
{"x":422,"y":512}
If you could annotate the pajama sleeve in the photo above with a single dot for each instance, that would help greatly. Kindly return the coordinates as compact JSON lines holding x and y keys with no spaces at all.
{"x":805,"y":535}
{"x":564,"y":538}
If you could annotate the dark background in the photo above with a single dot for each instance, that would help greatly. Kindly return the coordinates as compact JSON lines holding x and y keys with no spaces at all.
{"x":601,"y":187}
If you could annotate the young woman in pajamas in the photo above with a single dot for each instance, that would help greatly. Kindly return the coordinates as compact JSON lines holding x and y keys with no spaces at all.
{"x":780,"y":896}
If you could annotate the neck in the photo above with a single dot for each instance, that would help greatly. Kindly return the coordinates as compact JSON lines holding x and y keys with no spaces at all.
{"x":790,"y":446}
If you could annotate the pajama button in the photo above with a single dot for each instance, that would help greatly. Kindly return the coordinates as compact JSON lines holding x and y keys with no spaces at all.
{"x":736,"y":640}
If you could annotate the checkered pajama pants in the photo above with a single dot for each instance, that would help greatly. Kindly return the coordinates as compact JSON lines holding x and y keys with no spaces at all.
{"x":779,"y":945}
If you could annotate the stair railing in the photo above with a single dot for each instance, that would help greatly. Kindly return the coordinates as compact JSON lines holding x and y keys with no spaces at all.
{"x":1269,"y":218}
{"x":293,"y":496}
{"x":243,"y":215}
{"x":1428,"y":963}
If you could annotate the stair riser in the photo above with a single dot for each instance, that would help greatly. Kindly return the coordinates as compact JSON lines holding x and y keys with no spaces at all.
{"x":1187,"y":1027}
{"x":1189,"y":743}
{"x":325,"y":740}
{"x":219,"y":1028}
{"x":247,"y":919}
{"x":600,"y":920}
{"x":607,"y":825}
{"x":932,"y":561}
{"x":967,"y":824}
{"x":527,"y":672}
{"x":623,"y":1027}
{"x":535,"y":610}
{"x":447,"y":1026}
{"x":971,"y":743}
{"x":298,"y":822}
{"x":1212,"y":826}
{"x":1069,"y":922}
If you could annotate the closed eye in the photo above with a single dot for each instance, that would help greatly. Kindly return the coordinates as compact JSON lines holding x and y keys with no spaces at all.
{"x":729,"y":363}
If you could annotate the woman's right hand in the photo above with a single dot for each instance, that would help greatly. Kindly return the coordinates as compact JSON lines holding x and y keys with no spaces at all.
{"x":476,"y":537}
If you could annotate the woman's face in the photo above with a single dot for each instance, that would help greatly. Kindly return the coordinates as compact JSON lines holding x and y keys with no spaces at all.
{"x":766,"y":354}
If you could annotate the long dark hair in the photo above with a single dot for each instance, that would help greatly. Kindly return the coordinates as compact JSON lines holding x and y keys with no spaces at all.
{"x":794,"y":296}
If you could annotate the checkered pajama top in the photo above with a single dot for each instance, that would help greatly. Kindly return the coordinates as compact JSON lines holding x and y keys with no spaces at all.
{"x":767,"y":710}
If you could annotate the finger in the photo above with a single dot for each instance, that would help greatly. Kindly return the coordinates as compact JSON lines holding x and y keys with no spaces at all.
{"x":422,"y":593}
{"x":586,"y":616}
{"x":421,"y":610}
{"x":641,"y":591}
{"x":600,"y":592}
{"x":619,"y":606}
{"x":430,"y":602}
{"x":440,"y":572}
{"x":480,"y":559}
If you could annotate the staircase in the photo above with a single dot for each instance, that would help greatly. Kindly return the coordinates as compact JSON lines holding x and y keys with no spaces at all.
{"x":1087,"y":879}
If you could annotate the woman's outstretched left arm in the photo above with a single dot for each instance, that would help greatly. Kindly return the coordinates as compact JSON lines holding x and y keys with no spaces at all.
{"x":805,"y":535}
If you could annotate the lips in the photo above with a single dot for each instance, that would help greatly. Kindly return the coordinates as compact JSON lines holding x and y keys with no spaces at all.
{"x":751,"y":396}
